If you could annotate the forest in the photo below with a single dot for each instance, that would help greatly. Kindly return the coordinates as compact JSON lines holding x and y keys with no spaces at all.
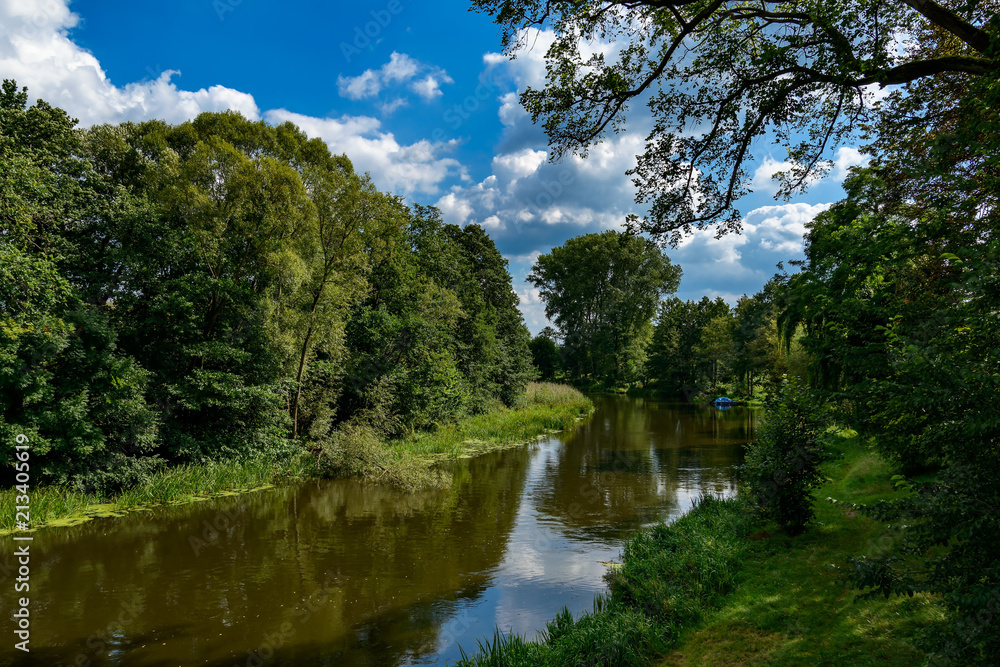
{"x":225,"y":289}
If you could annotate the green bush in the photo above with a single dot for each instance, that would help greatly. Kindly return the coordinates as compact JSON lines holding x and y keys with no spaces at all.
{"x":783,"y":462}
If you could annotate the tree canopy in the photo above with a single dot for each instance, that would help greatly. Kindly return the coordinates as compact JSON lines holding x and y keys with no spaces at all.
{"x":720,"y":74}
{"x":224,"y":288}
{"x":602,"y":291}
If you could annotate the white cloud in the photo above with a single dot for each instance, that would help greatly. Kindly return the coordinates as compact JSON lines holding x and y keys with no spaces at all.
{"x":401,"y":68}
{"x":430,"y":86}
{"x":763,"y":177}
{"x":367,"y":84}
{"x":404,"y":169}
{"x":847,"y":157}
{"x":36,"y":50}
{"x":781,"y":228}
{"x":457,"y":211}
{"x":741,"y":263}
{"x":519,"y":164}
{"x":391,"y":106}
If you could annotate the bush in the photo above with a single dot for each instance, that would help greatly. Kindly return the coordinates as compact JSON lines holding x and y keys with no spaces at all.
{"x":783,"y":462}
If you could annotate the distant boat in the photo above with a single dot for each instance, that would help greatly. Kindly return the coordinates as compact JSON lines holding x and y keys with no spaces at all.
{"x":722,"y":400}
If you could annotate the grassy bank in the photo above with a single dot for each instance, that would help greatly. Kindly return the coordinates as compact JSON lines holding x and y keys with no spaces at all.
{"x":716,"y":588}
{"x":544,"y":408}
{"x":55,"y":506}
{"x":792,"y":607}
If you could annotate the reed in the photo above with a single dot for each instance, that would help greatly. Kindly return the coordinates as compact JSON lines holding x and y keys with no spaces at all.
{"x":51,"y":504}
{"x":545,"y":407}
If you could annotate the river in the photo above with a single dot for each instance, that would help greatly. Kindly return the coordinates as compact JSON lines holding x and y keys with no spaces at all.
{"x":342,"y":573}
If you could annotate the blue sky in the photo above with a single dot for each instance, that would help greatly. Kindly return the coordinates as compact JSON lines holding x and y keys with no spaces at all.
{"x":417,"y":94}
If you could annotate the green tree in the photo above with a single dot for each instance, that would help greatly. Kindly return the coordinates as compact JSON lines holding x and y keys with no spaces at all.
{"x":716,"y":343}
{"x":545,"y":356}
{"x":602,"y":291}
{"x":675,"y":364}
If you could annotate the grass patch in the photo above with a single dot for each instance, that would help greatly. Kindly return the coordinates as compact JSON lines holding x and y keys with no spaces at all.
{"x":52,"y":505}
{"x":793,"y":608}
{"x":546,"y":407}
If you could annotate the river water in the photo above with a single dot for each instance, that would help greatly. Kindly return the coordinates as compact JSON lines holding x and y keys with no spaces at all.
{"x":341,"y":573}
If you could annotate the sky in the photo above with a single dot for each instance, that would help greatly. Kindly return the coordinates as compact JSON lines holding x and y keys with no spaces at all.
{"x":415,"y":93}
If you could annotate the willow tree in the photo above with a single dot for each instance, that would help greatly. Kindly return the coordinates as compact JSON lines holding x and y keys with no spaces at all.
{"x":720,"y":74}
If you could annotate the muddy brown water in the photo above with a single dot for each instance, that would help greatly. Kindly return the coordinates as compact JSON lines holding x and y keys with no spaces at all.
{"x":342,"y":573}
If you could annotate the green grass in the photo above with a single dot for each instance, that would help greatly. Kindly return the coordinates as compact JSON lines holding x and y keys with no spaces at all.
{"x":715,"y":588}
{"x":546,"y":407}
{"x":792,"y":606}
{"x":52,"y":505}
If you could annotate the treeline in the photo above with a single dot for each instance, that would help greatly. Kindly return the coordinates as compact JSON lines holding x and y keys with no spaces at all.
{"x":617,"y":325}
{"x":227,"y":289}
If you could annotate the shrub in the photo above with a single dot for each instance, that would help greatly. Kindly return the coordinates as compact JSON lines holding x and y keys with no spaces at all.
{"x":783,"y":462}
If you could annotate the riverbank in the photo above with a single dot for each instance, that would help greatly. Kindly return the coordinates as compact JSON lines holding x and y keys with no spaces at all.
{"x":545,"y":408}
{"x":717,"y":588}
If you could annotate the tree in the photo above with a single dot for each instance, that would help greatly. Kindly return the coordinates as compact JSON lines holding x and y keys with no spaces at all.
{"x":602,"y":291}
{"x":675,"y":364}
{"x":740,"y":70}
{"x":545,"y":356}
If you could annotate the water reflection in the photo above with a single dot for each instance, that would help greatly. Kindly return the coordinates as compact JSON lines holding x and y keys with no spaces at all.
{"x":340,"y":573}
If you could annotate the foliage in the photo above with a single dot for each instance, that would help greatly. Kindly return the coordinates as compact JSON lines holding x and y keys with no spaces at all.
{"x":740,"y":69}
{"x":790,"y":607}
{"x":224,"y":289}
{"x":783,"y":463}
{"x":545,"y":356}
{"x":899,"y":299}
{"x":602,"y":291}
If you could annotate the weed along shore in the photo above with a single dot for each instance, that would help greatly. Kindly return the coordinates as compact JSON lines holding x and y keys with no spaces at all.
{"x":721,"y":586}
{"x":408,"y":462}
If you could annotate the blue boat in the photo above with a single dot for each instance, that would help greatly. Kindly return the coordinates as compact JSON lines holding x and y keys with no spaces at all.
{"x":722,"y":400}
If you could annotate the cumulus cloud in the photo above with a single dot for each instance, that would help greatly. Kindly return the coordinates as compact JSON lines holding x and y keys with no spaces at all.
{"x":368,"y":84}
{"x":846,"y":158}
{"x":400,"y":69}
{"x":404,"y":169}
{"x":36,"y":51}
{"x":745,"y":261}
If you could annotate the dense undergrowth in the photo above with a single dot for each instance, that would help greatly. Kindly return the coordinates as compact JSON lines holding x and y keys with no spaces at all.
{"x":406,"y":462}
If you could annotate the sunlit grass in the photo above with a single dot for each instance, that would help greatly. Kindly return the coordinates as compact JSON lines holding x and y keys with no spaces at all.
{"x":546,"y":407}
{"x":793,"y":606}
{"x":180,"y":484}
